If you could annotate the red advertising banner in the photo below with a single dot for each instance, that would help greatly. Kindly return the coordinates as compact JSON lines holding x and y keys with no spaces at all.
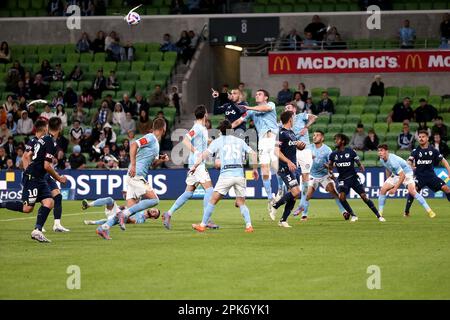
{"x":359,"y":62}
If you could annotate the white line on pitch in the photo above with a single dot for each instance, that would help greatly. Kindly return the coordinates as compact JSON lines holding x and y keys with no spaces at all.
{"x":64,"y":215}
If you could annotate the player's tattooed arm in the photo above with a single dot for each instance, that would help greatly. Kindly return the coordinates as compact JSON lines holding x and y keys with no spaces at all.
{"x":360,"y":165}
{"x":446,"y":165}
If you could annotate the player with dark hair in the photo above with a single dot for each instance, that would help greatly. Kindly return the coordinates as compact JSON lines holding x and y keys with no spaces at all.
{"x":423,"y":159}
{"x":399,"y":173}
{"x":38,"y":160}
{"x":287,"y":154}
{"x":344,"y":159}
{"x":234,"y":109}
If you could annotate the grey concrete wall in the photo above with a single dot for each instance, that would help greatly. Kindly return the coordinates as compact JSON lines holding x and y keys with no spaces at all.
{"x":254,"y":72}
{"x":225,"y":67}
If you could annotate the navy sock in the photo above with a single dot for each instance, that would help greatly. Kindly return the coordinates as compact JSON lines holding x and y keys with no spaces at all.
{"x":409,"y":202}
{"x":12,"y":205}
{"x":288,"y":208}
{"x":347,"y":206}
{"x":57,"y":209}
{"x":372,"y":207}
{"x":42,"y":215}
{"x":287,"y":197}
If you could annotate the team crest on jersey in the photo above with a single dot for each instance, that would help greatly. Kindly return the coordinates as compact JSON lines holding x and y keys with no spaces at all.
{"x":336,"y":157}
{"x":192,"y":133}
{"x":347,"y":155}
{"x":431,"y":153}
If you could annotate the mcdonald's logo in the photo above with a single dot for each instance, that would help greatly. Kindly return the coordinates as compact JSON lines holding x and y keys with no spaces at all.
{"x":412,"y":60}
{"x":282,"y":63}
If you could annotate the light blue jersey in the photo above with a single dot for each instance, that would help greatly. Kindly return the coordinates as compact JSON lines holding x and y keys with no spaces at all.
{"x":231,"y":151}
{"x":264,"y":121}
{"x":300,"y":121}
{"x":198,"y":136}
{"x":139,"y":217}
{"x":147,"y":153}
{"x":320,"y":159}
{"x":395,"y":164}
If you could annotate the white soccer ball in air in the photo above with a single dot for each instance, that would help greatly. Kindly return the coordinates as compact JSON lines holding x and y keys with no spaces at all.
{"x":133,"y":18}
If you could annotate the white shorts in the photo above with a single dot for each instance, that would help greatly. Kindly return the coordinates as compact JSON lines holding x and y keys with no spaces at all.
{"x":200,"y":175}
{"x":320,"y":182}
{"x":224,"y":185}
{"x":305,"y":160}
{"x":136,"y":187}
{"x":393,"y":180}
{"x":266,"y":150}
{"x":113,"y":211}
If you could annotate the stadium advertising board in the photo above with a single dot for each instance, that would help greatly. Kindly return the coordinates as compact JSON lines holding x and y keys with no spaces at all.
{"x":93,"y":184}
{"x":359,"y":62}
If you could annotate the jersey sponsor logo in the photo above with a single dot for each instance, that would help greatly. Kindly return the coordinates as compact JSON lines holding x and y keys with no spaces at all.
{"x":424,"y":161}
{"x":143,"y":141}
{"x":192,"y":133}
{"x":343,"y":164}
{"x":292,"y":143}
{"x":230,"y":112}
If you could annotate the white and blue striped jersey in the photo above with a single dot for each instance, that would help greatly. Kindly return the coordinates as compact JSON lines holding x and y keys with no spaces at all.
{"x":395,"y":164}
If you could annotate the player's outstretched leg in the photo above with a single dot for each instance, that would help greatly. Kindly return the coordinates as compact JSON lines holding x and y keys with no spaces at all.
{"x":12,"y":205}
{"x":371,"y":205}
{"x":346,"y":205}
{"x":42,"y":215}
{"x":287,"y":211}
{"x":108,"y":201}
{"x":409,"y":202}
{"x":141,"y":205}
{"x":181,"y":200}
{"x":246,"y":215}
{"x":57,"y":213}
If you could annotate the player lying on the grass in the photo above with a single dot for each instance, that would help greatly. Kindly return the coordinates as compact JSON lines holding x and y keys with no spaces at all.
{"x":144,"y":152}
{"x":286,"y":150}
{"x":111,"y":208}
{"x":344,"y":159}
{"x":423,"y":159}
{"x":320,"y":175}
{"x":399,"y":173}
{"x":42,"y":150}
{"x":197,"y":141}
{"x":232,"y":151}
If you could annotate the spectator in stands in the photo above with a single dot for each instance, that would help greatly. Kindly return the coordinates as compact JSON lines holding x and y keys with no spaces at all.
{"x":70,"y":97}
{"x":55,"y":8}
{"x":407,"y":36}
{"x":16,"y":113}
{"x":61,"y":160}
{"x":126,"y":145}
{"x":86,"y":99}
{"x":358,"y":138}
{"x":61,"y":113}
{"x":128,"y":49}
{"x":10,"y":166}
{"x":401,"y":111}
{"x":166,"y":143}
{"x":425,"y":112}
{"x":310,"y":107}
{"x":76,"y":132}
{"x":4,"y":134}
{"x":32,"y":113}
{"x":25,"y":124}
{"x":316,"y":28}
{"x":99,"y":84}
{"x":3,"y":158}
{"x":118,"y":114}
{"x":103,"y":114}
{"x":107,"y":160}
{"x":11,"y":124}
{"x":86,"y":141}
{"x":84,"y":44}
{"x":16,"y":65}
{"x":39,"y":89}
{"x":19,"y":162}
{"x":131,"y":135}
{"x":46,"y":70}
{"x":140,"y":104}
{"x":58,"y":99}
{"x":79,"y":113}
{"x":175,"y":99}
{"x":445,"y":32}
{"x":21,"y":90}
{"x":58,"y":73}
{"x":11,"y":147}
{"x":127,"y":104}
{"x":112,"y":83}
{"x":114,"y":150}
{"x":372,"y":141}
{"x":12,"y":79}
{"x":422,"y":126}
{"x":285,"y":94}
{"x":440,"y":127}
{"x":76,"y":74}
{"x":62,"y":143}
{"x":194,"y":40}
{"x":292,"y":41}
{"x":440,"y":145}
{"x":116,"y":52}
{"x":405,"y":140}
{"x":330,"y":40}
{"x":5,"y":53}
{"x":178,"y":7}
{"x":309,"y":43}
{"x":98,"y":45}
{"x":124,"y":159}
{"x":9,"y":103}
{"x":128,"y":124}
{"x":298,"y":102}
{"x":144,"y":124}
{"x":28,"y":81}
{"x":377,"y":87}
{"x":167,"y":44}
{"x":110,"y":135}
{"x":158,"y":98}
{"x":87,"y":7}
{"x":3,"y":114}
{"x":47,"y":113}
{"x":183,"y":46}
{"x":326,"y":105}
{"x":76,"y":159}
{"x":302,"y":89}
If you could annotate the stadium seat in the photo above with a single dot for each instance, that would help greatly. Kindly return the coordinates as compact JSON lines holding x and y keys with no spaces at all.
{"x":396,"y":127}
{"x":58,"y":58}
{"x":334,"y":128}
{"x":349,"y":127}
{"x":99,"y":57}
{"x":385,"y":109}
{"x":378,"y":43}
{"x":371,"y":156}
{"x":440,"y":5}
{"x":323,"y":119}
{"x":338,"y":118}
{"x":333,"y":91}
{"x":72,"y":57}
{"x":123,"y":66}
{"x":371,"y":108}
{"x":380,"y":127}
{"x":132,"y":75}
{"x":392,"y":91}
{"x":353,"y":118}
{"x":345,"y":100}
{"x":407,"y":92}
{"x":156,"y":56}
{"x":359,"y":100}
{"x":381,"y":118}
{"x":86,"y":57}
{"x":319,"y":126}
{"x":137,"y":66}
{"x":341,"y":109}
{"x":368,"y":118}
{"x":422,"y":91}
{"x":146,"y":76}
{"x":370,"y":163}
{"x":356,"y":109}
{"x":374,"y":100}
{"x":317,"y":92}
{"x":141,"y":86}
{"x":435,"y":100}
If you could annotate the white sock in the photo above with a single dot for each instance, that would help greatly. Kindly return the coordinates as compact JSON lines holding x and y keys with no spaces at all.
{"x":57,"y":222}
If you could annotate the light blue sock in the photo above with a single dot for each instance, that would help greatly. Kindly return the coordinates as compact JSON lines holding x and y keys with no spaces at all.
{"x":267,"y":185}
{"x":246,"y":214}
{"x":102,"y":221}
{"x":306,"y":208}
{"x":340,"y":206}
{"x":304,"y":190}
{"x":112,"y":220}
{"x":103,"y":202}
{"x":142,"y":205}
{"x":422,"y":201}
{"x":280,"y":184}
{"x":207,"y":197}
{"x":207,"y":213}
{"x":381,"y":202}
{"x":185,"y":196}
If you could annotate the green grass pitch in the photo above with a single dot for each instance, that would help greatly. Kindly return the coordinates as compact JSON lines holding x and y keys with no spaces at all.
{"x":324,"y":258}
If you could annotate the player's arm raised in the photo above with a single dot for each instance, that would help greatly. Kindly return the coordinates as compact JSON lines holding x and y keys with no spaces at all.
{"x":261,"y":108}
{"x":311,"y":119}
{"x":282,"y":157}
{"x":237,"y":123}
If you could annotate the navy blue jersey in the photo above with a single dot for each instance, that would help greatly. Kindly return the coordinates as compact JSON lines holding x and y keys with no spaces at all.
{"x":233,"y":111}
{"x":345,"y":162}
{"x":288,"y":147}
{"x":425,"y":160}
{"x":44,"y":149}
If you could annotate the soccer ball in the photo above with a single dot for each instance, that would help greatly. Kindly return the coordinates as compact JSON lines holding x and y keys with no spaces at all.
{"x":133,"y":18}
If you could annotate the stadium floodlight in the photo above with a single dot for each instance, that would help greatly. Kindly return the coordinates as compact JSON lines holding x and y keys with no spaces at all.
{"x":232,"y":47}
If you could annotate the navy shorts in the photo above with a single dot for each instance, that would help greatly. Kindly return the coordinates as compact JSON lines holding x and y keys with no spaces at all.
{"x":432,"y":182}
{"x":51,"y":182}
{"x":289,"y":178}
{"x":34,"y":190}
{"x":350,"y":183}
